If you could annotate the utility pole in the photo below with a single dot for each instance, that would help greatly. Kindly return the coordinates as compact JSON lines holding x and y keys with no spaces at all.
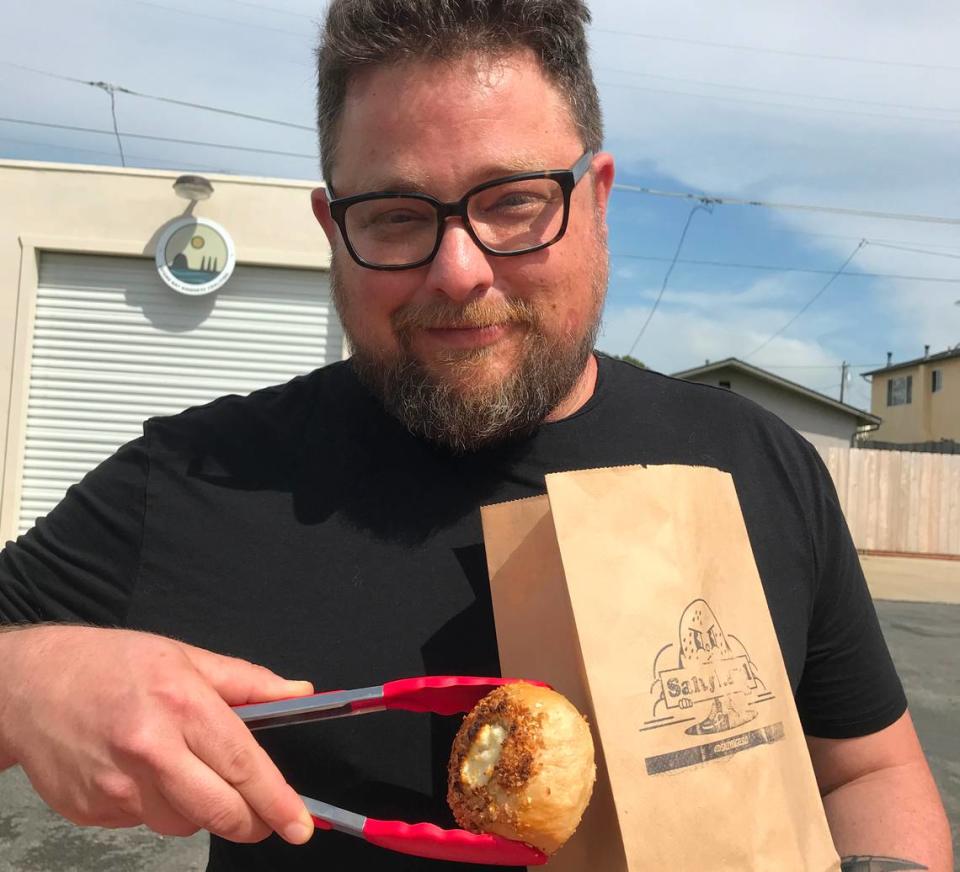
{"x":843,"y":379}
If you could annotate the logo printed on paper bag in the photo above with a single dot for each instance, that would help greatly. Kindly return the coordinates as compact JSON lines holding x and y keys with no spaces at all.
{"x":708,"y":684}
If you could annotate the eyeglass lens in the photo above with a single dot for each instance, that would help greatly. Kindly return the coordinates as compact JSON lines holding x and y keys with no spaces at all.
{"x":506,"y":218}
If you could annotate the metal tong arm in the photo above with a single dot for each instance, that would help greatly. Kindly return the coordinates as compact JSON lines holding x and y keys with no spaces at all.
{"x":440,"y":694}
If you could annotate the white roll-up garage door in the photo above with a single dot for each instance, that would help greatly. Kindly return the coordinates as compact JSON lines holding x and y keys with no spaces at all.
{"x":113,"y":345}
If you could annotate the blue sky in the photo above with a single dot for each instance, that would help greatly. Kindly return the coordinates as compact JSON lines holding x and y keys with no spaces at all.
{"x":853,"y":105}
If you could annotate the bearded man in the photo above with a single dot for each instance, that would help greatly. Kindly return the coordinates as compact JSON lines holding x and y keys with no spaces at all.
{"x":330,"y":527}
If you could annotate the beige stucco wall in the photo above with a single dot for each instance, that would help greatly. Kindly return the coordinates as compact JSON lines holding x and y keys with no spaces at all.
{"x":825,"y":427}
{"x":929,"y":417}
{"x":108,"y":210}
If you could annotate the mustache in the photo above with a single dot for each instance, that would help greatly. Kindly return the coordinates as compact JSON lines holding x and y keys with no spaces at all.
{"x":476,"y":313}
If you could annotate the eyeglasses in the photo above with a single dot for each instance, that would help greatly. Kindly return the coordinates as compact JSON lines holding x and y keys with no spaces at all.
{"x":504,"y":217}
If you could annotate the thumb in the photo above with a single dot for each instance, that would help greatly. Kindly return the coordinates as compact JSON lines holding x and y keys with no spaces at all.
{"x":240,"y":682}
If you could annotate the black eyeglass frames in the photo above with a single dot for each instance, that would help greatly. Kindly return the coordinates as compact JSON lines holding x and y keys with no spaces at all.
{"x":514,"y":215}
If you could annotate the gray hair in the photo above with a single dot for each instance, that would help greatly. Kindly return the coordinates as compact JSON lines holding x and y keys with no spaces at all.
{"x":359,"y":34}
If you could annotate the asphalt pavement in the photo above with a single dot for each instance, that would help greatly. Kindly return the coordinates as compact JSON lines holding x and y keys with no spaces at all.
{"x":923,"y":637}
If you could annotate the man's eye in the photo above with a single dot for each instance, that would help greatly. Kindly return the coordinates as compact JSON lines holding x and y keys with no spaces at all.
{"x":395,"y":217}
{"x":517,"y":200}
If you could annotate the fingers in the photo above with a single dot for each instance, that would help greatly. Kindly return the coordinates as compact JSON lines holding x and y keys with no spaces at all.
{"x":262,"y":793}
{"x":190,"y":790}
{"x":240,"y":682}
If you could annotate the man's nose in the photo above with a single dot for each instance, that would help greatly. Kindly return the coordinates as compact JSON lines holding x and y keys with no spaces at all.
{"x":460,"y":269}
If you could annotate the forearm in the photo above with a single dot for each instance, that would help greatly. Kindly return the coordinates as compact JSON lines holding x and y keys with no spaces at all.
{"x":895,"y":813}
{"x":7,"y":637}
{"x":11,"y":640}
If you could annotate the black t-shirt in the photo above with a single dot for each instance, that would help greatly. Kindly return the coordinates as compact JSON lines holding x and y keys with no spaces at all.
{"x":303,"y":528}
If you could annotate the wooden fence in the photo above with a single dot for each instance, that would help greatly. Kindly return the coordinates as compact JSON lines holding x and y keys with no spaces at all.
{"x":899,"y":501}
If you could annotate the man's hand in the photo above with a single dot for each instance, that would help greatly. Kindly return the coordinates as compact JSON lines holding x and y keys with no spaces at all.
{"x":116,"y":729}
{"x":881,"y":800}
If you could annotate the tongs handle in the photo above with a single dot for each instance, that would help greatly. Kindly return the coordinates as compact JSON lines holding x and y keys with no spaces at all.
{"x":441,"y":694}
{"x":428,"y":840}
{"x":425,"y":839}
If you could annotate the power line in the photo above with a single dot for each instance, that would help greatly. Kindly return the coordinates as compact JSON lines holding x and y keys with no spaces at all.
{"x":235,"y":21}
{"x":776,"y":51}
{"x":816,"y":366}
{"x":798,"y":269}
{"x":162,"y":138}
{"x":803,"y":207}
{"x":111,"y":92}
{"x":915,"y":250}
{"x":706,"y":207}
{"x":703,"y":83}
{"x":160,"y":99}
{"x":793,"y":107}
{"x":874,"y":240}
{"x":140,"y":157}
{"x":809,"y":302}
{"x":268,"y":7}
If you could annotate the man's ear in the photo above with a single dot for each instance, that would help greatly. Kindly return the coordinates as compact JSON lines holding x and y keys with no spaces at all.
{"x":321,"y":210}
{"x":603,"y":175}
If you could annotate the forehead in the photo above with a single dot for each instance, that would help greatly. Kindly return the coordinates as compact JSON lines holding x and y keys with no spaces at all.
{"x":451,"y":122}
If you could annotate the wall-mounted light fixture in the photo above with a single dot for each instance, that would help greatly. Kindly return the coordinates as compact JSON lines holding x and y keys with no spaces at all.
{"x":193,"y":188}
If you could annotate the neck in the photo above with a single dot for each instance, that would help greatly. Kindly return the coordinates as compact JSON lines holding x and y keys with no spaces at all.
{"x":581,"y":392}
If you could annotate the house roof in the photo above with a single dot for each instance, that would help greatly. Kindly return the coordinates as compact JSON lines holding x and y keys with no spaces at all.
{"x":762,"y":374}
{"x":930,"y":358}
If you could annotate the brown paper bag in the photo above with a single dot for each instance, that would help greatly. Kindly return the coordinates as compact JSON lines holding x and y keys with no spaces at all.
{"x":634,"y":592}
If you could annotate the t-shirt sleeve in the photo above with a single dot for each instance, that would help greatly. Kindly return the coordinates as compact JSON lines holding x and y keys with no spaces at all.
{"x":80,"y":562}
{"x":849,"y":685}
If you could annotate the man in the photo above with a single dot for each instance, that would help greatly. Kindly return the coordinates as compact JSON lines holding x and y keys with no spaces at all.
{"x":329,"y":528}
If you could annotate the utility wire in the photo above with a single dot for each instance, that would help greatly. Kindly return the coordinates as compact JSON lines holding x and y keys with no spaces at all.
{"x":776,"y":51}
{"x":235,"y":21}
{"x":811,"y":301}
{"x":915,"y":250}
{"x":142,"y":157}
{"x":111,"y":92}
{"x":816,"y":366}
{"x":803,"y":207}
{"x":793,"y":107}
{"x":268,"y":7}
{"x":160,"y":99}
{"x":162,"y":138}
{"x":703,"y":206}
{"x":948,"y":280}
{"x":874,"y":240}
{"x":830,"y":98}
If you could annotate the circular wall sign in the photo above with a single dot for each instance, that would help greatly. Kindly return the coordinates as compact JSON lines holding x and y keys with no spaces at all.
{"x":195,"y":256}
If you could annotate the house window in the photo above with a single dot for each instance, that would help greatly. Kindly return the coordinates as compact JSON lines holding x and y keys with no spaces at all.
{"x":900,"y":390}
{"x":724,"y":384}
{"x":936,"y":381}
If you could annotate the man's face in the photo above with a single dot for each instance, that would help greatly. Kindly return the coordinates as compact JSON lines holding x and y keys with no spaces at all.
{"x":471,"y":347}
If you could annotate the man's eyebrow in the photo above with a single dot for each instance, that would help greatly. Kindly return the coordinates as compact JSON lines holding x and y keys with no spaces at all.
{"x":407,"y":184}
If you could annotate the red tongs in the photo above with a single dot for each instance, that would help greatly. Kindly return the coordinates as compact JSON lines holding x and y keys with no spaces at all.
{"x":441,"y":694}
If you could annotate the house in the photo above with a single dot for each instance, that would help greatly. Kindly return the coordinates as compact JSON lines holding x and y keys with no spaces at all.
{"x":129,"y":293}
{"x":826,"y":422}
{"x":919,"y":399}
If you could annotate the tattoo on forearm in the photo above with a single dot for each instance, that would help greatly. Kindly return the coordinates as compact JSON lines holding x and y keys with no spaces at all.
{"x":877,"y":864}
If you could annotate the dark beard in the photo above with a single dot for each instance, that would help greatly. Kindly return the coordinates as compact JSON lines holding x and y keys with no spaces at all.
{"x":450,"y":414}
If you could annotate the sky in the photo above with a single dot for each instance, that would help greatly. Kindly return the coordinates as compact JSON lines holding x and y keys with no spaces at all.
{"x":849,"y":106}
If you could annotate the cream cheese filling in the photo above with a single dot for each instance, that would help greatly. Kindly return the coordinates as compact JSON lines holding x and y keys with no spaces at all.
{"x":477,"y":767}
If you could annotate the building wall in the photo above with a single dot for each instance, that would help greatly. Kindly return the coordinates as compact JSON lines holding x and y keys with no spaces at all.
{"x":929,"y":417}
{"x":113,"y":211}
{"x":823,"y":426}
